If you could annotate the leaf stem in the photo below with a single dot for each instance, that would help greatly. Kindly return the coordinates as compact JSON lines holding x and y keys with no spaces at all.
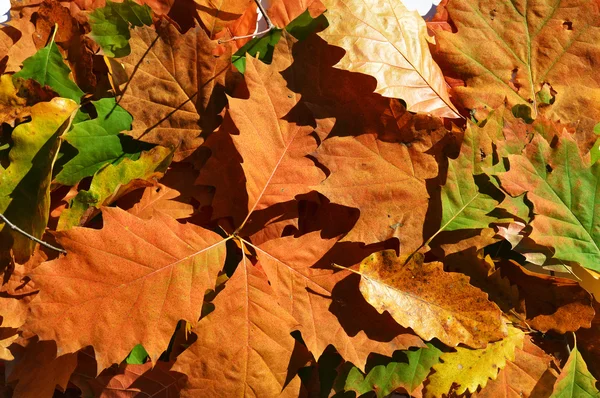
{"x":33,"y":238}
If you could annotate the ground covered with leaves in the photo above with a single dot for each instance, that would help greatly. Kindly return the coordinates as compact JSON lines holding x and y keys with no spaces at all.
{"x":357,"y":201}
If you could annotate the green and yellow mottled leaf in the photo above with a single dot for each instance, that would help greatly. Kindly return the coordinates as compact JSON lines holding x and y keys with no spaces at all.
{"x":25,"y":183}
{"x":575,"y":380}
{"x":113,"y":181}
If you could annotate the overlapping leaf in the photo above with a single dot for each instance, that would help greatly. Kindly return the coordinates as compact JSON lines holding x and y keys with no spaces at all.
{"x":390,"y":43}
{"x":132,"y":275}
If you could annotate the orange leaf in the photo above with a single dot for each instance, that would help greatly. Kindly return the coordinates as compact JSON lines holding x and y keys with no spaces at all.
{"x":244,"y":347}
{"x":126,"y":284}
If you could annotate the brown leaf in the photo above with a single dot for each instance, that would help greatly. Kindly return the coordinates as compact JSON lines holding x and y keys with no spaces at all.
{"x":306,"y":291}
{"x":370,"y":174}
{"x":273,"y":149}
{"x":146,"y":380}
{"x":51,"y":12}
{"x":550,"y":303}
{"x":129,"y":276}
{"x":430,"y":301}
{"x":172,"y":94}
{"x":244,"y":347}
{"x":24,"y":47}
{"x":37,"y":370}
{"x":529,"y":375}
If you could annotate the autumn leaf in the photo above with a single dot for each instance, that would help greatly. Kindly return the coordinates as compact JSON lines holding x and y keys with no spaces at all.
{"x":385,"y":379}
{"x":110,"y":25}
{"x":37,"y":370}
{"x":433,"y":303}
{"x":25,"y":188}
{"x":47,"y":68}
{"x":390,"y":43}
{"x":250,"y":334}
{"x":96,"y":140}
{"x":526,"y":45}
{"x":10,"y":103}
{"x":215,"y":14}
{"x":560,"y":185}
{"x":137,"y":273}
{"x":528,"y":374}
{"x":161,"y":198}
{"x":308,"y":293}
{"x":113,"y":181}
{"x":470,"y":369}
{"x":168,"y":103}
{"x":575,"y":379}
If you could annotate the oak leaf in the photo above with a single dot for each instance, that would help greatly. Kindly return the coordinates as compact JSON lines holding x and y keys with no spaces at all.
{"x":526,"y":45}
{"x":10,"y":103}
{"x":244,"y":347}
{"x":430,"y":301}
{"x":133,"y":275}
{"x":470,"y":369}
{"x":171,"y":93}
{"x":390,"y":43}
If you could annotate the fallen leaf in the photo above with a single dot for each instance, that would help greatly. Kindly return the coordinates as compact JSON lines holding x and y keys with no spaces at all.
{"x":390,"y":43}
{"x":137,"y":273}
{"x":430,"y":301}
{"x":575,"y":379}
{"x":470,"y":369}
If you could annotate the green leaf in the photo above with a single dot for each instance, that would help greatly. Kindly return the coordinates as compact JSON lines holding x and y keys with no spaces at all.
{"x":137,"y":356}
{"x":262,"y":47}
{"x":48,"y":69}
{"x":113,"y":181}
{"x":111,"y":23}
{"x":595,"y":151}
{"x":97,"y":141}
{"x":25,"y":183}
{"x":565,"y":193}
{"x":385,"y":379}
{"x":463,"y":205}
{"x":575,"y":380}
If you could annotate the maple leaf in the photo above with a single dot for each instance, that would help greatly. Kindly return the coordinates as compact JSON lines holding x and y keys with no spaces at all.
{"x":527,"y":45}
{"x":433,"y":303}
{"x":390,"y":43}
{"x":308,"y":292}
{"x":575,"y":379}
{"x":167,"y":101}
{"x":559,"y":184}
{"x":110,"y":25}
{"x":37,"y":370}
{"x":283,"y":12}
{"x":371,"y":174}
{"x":215,"y":14}
{"x":25,"y":188}
{"x":135,"y":379}
{"x":96,"y":140}
{"x":273,"y":148}
{"x":250,"y":334}
{"x":47,"y":67}
{"x":385,"y":379}
{"x":470,"y":369}
{"x":138,"y":275}
{"x":527,"y":375}
{"x":161,"y":198}
{"x":113,"y":181}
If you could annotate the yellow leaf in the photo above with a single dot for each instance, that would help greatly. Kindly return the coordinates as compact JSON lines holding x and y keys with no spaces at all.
{"x":470,"y":369}
{"x":390,"y":43}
